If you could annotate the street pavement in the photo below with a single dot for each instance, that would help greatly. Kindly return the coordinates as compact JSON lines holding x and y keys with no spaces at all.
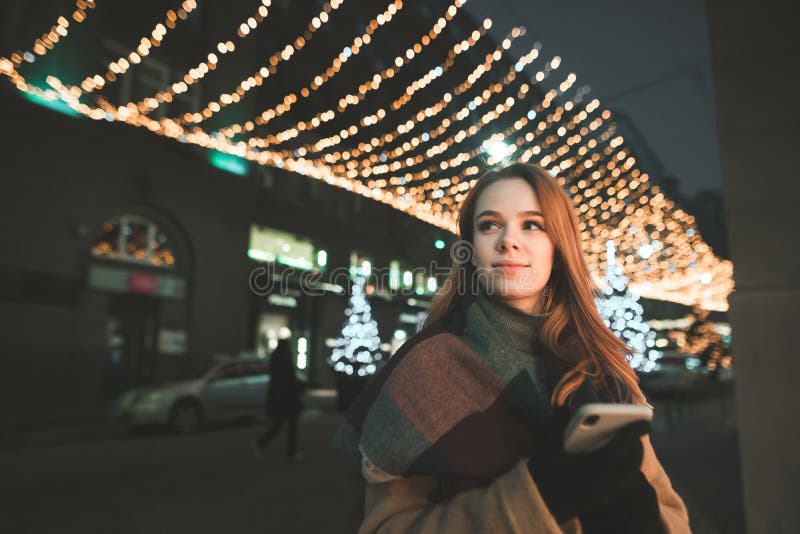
{"x":153,"y":482}
{"x":150,"y":483}
{"x":699,"y":447}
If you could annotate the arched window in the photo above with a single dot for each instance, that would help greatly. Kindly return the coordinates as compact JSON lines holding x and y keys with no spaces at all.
{"x":135,"y":239}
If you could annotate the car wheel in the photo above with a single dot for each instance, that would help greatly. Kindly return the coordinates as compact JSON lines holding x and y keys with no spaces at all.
{"x":185,"y":417}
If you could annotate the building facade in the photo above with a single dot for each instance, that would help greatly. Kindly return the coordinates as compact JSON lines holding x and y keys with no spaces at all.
{"x":130,"y":260}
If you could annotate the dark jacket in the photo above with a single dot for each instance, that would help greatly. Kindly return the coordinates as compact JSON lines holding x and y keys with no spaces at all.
{"x":284,"y":396}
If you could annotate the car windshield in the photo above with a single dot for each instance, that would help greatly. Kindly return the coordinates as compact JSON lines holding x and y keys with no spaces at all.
{"x":192,"y":372}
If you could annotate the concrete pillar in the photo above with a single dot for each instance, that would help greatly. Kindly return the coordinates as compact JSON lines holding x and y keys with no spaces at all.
{"x":754,"y":58}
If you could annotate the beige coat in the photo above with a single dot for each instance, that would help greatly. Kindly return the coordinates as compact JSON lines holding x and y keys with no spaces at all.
{"x":511,"y":504}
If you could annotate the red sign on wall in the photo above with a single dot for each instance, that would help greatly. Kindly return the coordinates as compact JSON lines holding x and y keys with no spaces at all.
{"x":143,"y":283}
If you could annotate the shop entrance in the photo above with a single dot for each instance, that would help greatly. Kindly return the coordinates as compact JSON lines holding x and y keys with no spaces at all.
{"x":131,"y":343}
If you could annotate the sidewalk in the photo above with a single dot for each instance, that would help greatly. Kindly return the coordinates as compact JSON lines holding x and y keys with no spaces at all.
{"x":698,"y":445}
{"x":99,"y":428}
{"x":37,"y":435}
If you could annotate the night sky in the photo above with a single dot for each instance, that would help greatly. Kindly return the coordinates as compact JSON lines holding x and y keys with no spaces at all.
{"x":648,"y":60}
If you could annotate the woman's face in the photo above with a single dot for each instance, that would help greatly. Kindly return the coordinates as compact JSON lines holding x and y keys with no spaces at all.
{"x":513,"y":253}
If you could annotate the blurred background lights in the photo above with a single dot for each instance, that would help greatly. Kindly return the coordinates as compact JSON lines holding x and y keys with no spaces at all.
{"x":429,"y":173}
{"x":498,"y":150}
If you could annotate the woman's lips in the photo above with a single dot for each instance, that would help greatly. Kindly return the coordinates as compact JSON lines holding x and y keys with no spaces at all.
{"x":510,"y":268}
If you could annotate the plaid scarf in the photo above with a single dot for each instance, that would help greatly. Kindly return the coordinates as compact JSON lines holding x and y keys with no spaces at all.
{"x":457,"y":401}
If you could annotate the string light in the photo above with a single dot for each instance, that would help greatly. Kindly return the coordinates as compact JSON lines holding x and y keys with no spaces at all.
{"x":435,"y":189}
{"x":197,"y":73}
{"x":557,"y":115}
{"x":420,"y":115}
{"x":359,"y":44}
{"x":371,"y":85}
{"x":268,"y":69}
{"x":463,"y":157}
{"x":121,"y":65}
{"x":45,"y":43}
{"x":365,"y":165}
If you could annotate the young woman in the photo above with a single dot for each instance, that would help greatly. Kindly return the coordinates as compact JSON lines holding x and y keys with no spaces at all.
{"x":462,"y":430}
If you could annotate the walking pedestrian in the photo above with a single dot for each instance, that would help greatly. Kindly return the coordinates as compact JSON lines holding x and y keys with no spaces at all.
{"x":284,"y":401}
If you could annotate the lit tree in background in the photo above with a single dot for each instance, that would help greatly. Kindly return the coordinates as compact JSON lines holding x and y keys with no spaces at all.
{"x":622,"y":313}
{"x":357,"y":350}
{"x":700,"y":334}
{"x":704,"y":341}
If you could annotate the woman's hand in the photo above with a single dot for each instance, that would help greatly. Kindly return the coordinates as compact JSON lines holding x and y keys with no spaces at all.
{"x":573,"y":485}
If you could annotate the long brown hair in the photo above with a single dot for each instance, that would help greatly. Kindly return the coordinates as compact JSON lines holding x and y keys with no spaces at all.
{"x":574,"y":330}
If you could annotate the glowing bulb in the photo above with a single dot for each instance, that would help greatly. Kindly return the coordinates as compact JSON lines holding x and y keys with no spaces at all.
{"x":498,"y":150}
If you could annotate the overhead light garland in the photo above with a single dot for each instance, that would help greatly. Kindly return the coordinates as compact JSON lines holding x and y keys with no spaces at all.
{"x":462,"y":157}
{"x":473,"y":106}
{"x":370,"y":85}
{"x":197,"y":73}
{"x":393,"y":164}
{"x":270,"y":68}
{"x":358,"y":44}
{"x":47,"y":41}
{"x":194,"y":75}
{"x":410,"y":124}
{"x":659,"y":248}
{"x":9,"y":65}
{"x":436,"y":189}
{"x":121,"y":65}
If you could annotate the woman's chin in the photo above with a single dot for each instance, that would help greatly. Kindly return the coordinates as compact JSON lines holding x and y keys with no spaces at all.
{"x":510,"y":291}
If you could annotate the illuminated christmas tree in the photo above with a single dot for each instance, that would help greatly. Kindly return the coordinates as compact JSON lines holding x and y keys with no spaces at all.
{"x":356,"y":351}
{"x":622,"y":313}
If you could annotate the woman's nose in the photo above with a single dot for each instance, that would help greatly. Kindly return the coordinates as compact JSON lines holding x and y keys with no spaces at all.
{"x":507,"y":241}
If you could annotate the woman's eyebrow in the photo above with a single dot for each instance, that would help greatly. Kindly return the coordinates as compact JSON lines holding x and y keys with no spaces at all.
{"x":532,"y":213}
{"x":526,"y":213}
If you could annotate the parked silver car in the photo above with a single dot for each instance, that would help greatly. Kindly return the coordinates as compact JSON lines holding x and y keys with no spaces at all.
{"x":230,"y":388}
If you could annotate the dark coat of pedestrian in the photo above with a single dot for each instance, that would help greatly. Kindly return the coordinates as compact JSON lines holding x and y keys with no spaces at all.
{"x":284,"y":397}
{"x":284,"y":401}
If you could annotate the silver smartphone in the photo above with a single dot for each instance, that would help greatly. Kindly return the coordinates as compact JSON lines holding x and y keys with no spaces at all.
{"x":593,"y":425}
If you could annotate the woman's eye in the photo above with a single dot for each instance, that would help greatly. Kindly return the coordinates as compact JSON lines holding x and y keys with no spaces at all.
{"x":531,"y":225}
{"x":486,"y":225}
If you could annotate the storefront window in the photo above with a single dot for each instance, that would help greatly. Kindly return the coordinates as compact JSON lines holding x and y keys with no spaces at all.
{"x":136,"y":239}
{"x":267,"y":244}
